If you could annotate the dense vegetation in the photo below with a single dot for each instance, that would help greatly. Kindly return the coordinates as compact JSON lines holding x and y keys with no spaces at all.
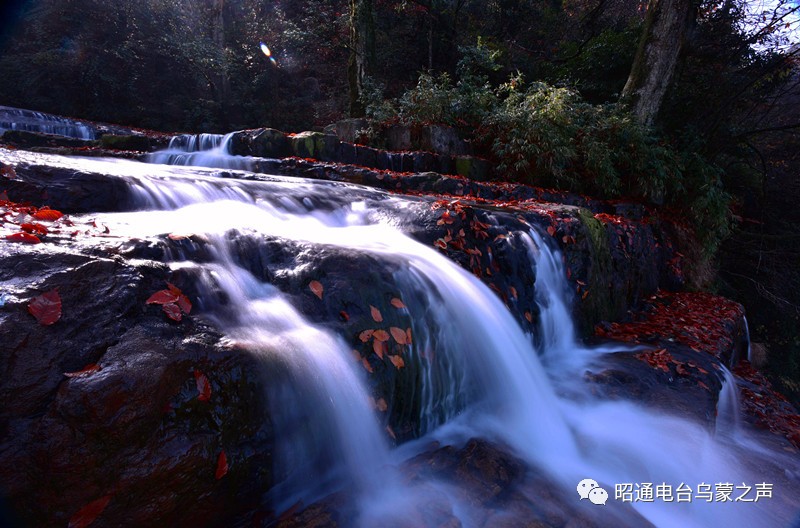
{"x":533,"y":85}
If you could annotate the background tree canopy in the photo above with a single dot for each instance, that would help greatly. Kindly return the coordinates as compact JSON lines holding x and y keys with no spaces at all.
{"x":533,"y":84}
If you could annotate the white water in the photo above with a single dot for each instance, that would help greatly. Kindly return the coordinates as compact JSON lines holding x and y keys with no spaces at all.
{"x":204,"y":150}
{"x":31,"y":121}
{"x":488,"y":382}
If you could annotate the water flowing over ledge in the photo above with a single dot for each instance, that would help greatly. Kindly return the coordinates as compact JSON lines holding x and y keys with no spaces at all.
{"x":473,"y":365}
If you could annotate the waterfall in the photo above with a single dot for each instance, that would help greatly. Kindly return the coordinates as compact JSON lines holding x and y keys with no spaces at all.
{"x":31,"y":121}
{"x":204,"y":150}
{"x":489,"y":379}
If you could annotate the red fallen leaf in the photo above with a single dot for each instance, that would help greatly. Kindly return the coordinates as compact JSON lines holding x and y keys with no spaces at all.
{"x":162,"y":297}
{"x":222,"y":465}
{"x":26,"y":238}
{"x":399,"y":335}
{"x":183,"y":301}
{"x":397,"y":303}
{"x":344,"y":315}
{"x":47,"y":214}
{"x":381,"y":335}
{"x":173,"y":311}
{"x":87,"y":370}
{"x":316,"y":288}
{"x":203,"y":386}
{"x":378,"y":347}
{"x":551,"y":230}
{"x":89,"y":513}
{"x":440,"y":243}
{"x":391,"y":432}
{"x":513,"y":291}
{"x":46,"y":308}
{"x":376,"y":314}
{"x":529,"y":317}
{"x":8,"y":171}
{"x":397,"y":361}
{"x":365,"y":335}
{"x":381,"y":405}
{"x":408,"y":336}
{"x":700,"y":383}
{"x":37,"y":229}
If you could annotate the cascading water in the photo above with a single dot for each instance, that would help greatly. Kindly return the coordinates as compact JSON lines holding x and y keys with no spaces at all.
{"x":31,"y":121}
{"x":205,"y":150}
{"x":488,"y":380}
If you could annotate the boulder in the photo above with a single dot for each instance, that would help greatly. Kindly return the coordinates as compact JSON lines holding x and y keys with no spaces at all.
{"x":315,"y":145}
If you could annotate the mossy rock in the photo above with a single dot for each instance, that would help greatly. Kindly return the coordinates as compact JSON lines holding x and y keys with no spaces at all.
{"x":315,"y":145}
{"x":473,"y":168}
{"x":599,"y":303}
{"x":115,"y":142}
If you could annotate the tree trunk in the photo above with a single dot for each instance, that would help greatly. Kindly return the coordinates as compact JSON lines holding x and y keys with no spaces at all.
{"x":223,"y":81}
{"x":362,"y":52}
{"x":665,"y":29}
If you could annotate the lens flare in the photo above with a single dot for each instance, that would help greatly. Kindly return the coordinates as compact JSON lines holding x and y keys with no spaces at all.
{"x":268,"y":53}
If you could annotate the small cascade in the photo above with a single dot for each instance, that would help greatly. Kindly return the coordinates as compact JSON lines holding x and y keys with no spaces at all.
{"x":31,"y":121}
{"x":201,"y":150}
{"x":747,"y":336}
{"x":728,"y":421}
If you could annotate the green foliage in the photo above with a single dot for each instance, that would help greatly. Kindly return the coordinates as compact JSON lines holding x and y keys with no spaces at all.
{"x":550,"y":136}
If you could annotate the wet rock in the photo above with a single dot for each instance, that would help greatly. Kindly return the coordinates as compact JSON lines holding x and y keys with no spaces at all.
{"x":442,"y":140}
{"x":347,"y":130}
{"x":22,"y":138}
{"x":262,"y":142}
{"x":398,"y":137}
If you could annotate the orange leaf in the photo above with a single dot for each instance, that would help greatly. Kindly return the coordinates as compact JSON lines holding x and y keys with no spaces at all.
{"x":513,"y":291}
{"x":381,"y":405}
{"x":376,"y":314}
{"x":46,"y":308}
{"x":316,"y":288}
{"x":89,"y":513}
{"x":222,"y":465}
{"x":378,"y":347}
{"x":37,"y":229}
{"x":529,"y":317}
{"x":399,"y":335}
{"x":88,"y":369}
{"x":408,"y":336}
{"x":47,"y":214}
{"x":397,"y":361}
{"x":397,"y":303}
{"x":365,"y":335}
{"x":203,"y":386}
{"x":366,"y":365}
{"x":381,"y":335}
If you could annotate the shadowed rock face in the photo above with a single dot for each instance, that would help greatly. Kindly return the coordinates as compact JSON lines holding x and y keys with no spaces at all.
{"x":140,"y":430}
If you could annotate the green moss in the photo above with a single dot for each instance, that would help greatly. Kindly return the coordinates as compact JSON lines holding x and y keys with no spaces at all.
{"x":463,"y":166}
{"x":599,"y":304}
